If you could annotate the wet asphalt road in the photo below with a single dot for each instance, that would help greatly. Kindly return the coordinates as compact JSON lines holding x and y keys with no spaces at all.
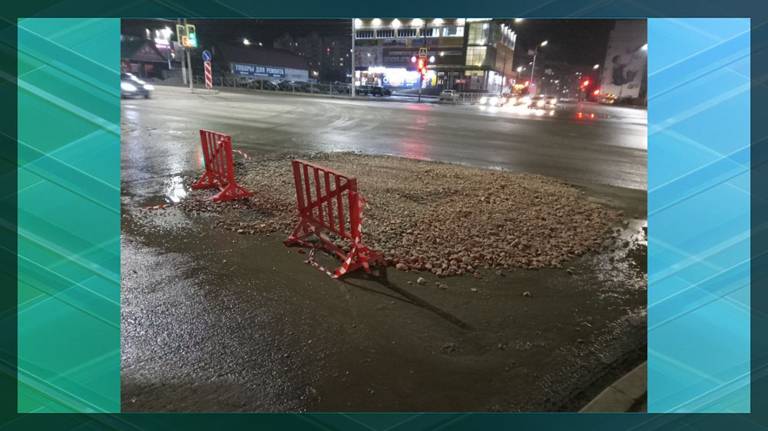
{"x":215,"y":321}
{"x":603,"y":145}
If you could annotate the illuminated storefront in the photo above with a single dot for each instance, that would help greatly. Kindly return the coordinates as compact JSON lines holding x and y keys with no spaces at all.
{"x":463,"y":54}
{"x":394,"y":77}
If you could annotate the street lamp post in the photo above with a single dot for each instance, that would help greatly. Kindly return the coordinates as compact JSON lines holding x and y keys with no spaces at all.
{"x":503,"y":74}
{"x":189,"y":60}
{"x":352,"y":80}
{"x":183,"y":55}
{"x":421,"y":74}
{"x":535,"y":52}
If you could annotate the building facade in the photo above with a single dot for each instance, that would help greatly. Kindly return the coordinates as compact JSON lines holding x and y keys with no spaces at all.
{"x":625,"y":71}
{"x":465,"y":54}
{"x":147,"y":58}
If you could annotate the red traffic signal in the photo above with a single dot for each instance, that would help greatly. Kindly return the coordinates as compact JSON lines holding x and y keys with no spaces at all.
{"x":421,"y":65}
{"x":585,"y":83}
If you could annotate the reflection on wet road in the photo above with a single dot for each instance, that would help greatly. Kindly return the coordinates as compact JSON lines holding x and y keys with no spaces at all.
{"x":580,"y":143}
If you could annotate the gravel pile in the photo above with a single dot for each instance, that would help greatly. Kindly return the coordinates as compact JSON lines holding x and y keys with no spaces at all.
{"x":442,"y":218}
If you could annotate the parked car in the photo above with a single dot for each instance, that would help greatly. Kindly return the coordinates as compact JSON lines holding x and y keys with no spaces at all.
{"x":372,"y":90}
{"x":132,"y":86}
{"x":285,"y":86}
{"x":341,"y":89}
{"x":269,"y":85}
{"x":449,"y":96}
{"x":301,"y":87}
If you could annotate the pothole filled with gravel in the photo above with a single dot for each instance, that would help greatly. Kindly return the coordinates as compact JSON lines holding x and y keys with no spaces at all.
{"x":443,"y":218}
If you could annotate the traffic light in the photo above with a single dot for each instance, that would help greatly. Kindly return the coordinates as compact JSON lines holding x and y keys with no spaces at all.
{"x":187,"y":35}
{"x":181,"y":33}
{"x":421,"y":65}
{"x":191,"y":36}
{"x":585,"y":83}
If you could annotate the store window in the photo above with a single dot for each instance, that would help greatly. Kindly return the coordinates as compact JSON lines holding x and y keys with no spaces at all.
{"x":432,"y":32}
{"x":453,"y":31}
{"x":386,"y":33}
{"x":365,"y":34}
{"x":407,"y":32}
{"x":478,"y":33}
{"x":476,"y":55}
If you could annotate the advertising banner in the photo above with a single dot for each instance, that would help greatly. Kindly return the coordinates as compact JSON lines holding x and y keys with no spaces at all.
{"x":254,"y":70}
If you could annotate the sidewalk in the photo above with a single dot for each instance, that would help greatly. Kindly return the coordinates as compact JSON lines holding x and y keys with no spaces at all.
{"x":628,"y":394}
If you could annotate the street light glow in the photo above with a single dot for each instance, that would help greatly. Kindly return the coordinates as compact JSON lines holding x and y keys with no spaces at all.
{"x":644,"y":47}
{"x":358,"y":22}
{"x":437,"y":21}
{"x":395,"y":23}
{"x":417,"y":22}
{"x":543,"y":44}
{"x":246,"y":42}
{"x":518,"y":20}
{"x":519,"y":69}
{"x":595,"y":67}
{"x":376,"y":22}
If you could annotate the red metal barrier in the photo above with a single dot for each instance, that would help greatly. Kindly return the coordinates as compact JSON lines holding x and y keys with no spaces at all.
{"x":329,"y":203}
{"x":219,"y":169}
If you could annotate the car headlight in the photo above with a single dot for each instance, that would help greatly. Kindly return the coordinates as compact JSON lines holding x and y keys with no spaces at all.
{"x":127,"y":86}
{"x":553,"y":101}
{"x":149,"y":87}
{"x":483,"y":100}
{"x":540,"y":103}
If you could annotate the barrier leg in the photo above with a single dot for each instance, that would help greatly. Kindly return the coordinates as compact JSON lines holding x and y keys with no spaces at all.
{"x":207,"y":181}
{"x":299,"y":235}
{"x":232,"y":192}
{"x":359,"y":257}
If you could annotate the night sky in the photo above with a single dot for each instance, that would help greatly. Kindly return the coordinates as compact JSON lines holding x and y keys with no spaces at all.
{"x":577,"y":42}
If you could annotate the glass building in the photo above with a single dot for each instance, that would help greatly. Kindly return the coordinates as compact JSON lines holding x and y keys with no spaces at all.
{"x":465,"y":54}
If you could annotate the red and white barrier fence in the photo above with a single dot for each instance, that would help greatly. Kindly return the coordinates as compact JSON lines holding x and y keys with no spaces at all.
{"x":329,"y":203}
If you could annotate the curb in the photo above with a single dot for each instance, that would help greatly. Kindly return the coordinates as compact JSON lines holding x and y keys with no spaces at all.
{"x":623,"y":394}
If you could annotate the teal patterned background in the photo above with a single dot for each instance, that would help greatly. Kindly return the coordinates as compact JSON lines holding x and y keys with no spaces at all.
{"x":699,"y":215}
{"x":69,"y":215}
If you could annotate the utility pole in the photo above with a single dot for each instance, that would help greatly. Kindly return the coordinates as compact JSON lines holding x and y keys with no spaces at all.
{"x":352,"y":89}
{"x":503,"y":72}
{"x":421,"y":74}
{"x":183,"y":54}
{"x":535,"y":52}
{"x":189,"y":59}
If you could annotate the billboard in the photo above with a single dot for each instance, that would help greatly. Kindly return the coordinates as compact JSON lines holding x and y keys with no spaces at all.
{"x":255,"y":70}
{"x":625,"y":62}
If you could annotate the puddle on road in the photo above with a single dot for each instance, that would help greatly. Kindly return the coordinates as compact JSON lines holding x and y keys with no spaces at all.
{"x":624,"y":267}
{"x":175,"y":190}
